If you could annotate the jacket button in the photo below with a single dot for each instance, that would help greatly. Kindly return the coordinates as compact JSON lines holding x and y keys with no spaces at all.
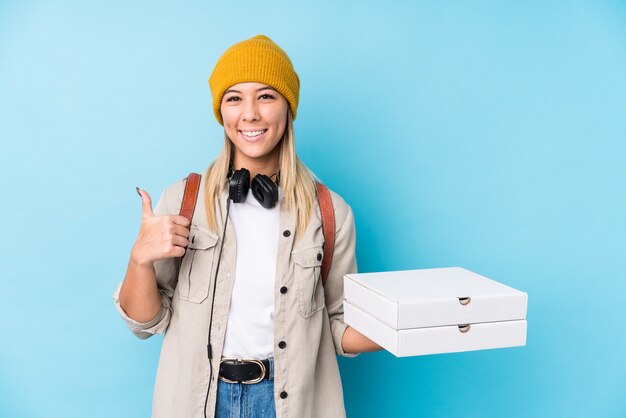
{"x":283,"y":394}
{"x":283,"y":290}
{"x":282,"y":344}
{"x":319,"y":256}
{"x":286,"y":233}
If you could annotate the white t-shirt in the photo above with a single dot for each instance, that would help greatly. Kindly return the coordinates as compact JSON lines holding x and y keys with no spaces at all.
{"x":250,"y":328}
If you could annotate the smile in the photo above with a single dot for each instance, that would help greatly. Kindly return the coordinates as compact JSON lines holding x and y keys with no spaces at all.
{"x":253,"y":134}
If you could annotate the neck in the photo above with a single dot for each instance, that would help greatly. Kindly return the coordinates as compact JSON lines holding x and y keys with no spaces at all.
{"x":268,"y":165}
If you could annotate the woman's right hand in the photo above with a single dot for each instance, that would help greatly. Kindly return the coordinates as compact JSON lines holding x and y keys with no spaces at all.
{"x":159,"y":236}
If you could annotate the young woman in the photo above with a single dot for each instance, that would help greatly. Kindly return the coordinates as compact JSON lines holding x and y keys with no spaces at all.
{"x":250,"y":330}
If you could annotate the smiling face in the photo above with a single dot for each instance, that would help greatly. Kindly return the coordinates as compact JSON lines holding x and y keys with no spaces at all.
{"x":255,"y":116}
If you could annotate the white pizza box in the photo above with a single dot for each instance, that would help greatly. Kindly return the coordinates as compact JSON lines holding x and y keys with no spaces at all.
{"x":431,"y":311}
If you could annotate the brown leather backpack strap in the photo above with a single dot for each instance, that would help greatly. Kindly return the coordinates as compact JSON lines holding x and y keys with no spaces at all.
{"x":328,"y":227}
{"x":190,"y":196}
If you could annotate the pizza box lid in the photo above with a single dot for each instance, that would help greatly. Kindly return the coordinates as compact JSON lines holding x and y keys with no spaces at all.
{"x":433,"y":297}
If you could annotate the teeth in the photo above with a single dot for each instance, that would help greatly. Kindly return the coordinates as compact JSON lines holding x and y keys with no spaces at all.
{"x":252,"y":134}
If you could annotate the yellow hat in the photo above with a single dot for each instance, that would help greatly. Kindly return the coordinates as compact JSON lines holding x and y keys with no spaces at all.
{"x":257,"y":59}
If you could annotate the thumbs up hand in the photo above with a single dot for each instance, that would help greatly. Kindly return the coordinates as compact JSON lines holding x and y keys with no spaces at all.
{"x":159,"y":236}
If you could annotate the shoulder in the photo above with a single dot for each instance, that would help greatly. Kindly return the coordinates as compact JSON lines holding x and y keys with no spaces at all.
{"x":341,"y":208}
{"x":172,"y":196}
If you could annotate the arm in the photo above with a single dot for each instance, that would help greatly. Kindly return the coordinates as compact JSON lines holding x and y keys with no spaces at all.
{"x":143,"y":299}
{"x":139,"y":295}
{"x":348,"y":341}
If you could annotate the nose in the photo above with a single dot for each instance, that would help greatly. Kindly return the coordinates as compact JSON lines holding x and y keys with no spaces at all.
{"x":250,"y":111}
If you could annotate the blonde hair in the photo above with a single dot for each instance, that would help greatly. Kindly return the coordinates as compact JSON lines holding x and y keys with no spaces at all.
{"x":297,"y":181}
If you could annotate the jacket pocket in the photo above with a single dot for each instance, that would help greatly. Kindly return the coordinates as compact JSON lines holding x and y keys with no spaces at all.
{"x":197,"y":265}
{"x":308,"y":282}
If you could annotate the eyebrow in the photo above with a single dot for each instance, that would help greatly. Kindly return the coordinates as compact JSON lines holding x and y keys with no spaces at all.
{"x":237,"y":91}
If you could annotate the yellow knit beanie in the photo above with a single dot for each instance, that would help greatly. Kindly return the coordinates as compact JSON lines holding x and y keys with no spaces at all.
{"x":257,"y":59}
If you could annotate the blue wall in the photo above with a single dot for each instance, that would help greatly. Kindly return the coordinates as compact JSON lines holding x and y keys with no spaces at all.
{"x":489,"y":135}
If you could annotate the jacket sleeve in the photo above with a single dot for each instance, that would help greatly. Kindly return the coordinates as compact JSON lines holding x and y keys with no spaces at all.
{"x":344,"y":262}
{"x":167,"y":277}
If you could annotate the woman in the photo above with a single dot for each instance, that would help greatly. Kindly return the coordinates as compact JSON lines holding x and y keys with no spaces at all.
{"x":246,"y":303}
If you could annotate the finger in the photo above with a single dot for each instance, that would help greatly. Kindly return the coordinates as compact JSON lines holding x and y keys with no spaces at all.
{"x":178,"y":251}
{"x":180,"y":220}
{"x":181,"y":231}
{"x":146,"y":204}
{"x":180,"y":241}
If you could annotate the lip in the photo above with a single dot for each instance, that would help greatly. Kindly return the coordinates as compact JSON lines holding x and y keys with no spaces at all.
{"x":255,"y":139}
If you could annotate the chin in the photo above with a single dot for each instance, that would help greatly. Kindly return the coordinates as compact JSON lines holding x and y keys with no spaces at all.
{"x":254,"y":155}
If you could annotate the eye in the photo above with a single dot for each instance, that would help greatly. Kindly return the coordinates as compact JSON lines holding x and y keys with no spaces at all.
{"x":267,"y":96}
{"x":233,"y":99}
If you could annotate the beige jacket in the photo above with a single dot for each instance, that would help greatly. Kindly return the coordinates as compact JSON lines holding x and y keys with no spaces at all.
{"x":308,"y":317}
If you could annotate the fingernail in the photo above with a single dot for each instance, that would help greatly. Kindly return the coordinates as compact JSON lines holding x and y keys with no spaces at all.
{"x":138,"y":191}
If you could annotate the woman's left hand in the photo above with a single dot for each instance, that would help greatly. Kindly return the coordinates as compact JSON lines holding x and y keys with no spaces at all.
{"x":354,"y":342}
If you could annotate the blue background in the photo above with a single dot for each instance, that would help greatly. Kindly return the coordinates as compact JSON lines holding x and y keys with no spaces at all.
{"x":489,"y":135}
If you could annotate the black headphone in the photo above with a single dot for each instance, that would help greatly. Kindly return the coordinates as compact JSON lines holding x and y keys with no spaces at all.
{"x":264,"y":190}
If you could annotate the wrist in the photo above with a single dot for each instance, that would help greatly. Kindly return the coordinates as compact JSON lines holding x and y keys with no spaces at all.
{"x":139,"y":262}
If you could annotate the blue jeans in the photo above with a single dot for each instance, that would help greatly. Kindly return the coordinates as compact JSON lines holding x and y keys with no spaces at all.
{"x":239,"y":400}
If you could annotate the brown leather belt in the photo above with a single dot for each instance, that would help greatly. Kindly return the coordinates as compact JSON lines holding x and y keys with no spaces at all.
{"x":247,"y":371}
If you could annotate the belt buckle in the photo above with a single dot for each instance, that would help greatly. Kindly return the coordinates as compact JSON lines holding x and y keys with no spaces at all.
{"x":248,"y":360}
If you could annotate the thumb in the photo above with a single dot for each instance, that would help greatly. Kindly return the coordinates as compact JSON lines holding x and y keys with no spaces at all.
{"x":146,"y":204}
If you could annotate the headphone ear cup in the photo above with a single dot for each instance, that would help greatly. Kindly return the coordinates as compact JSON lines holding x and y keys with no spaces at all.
{"x":265,"y":191}
{"x":238,"y":185}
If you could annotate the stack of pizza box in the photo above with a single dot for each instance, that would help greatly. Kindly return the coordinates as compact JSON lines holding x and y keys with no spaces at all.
{"x":433,"y":311}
